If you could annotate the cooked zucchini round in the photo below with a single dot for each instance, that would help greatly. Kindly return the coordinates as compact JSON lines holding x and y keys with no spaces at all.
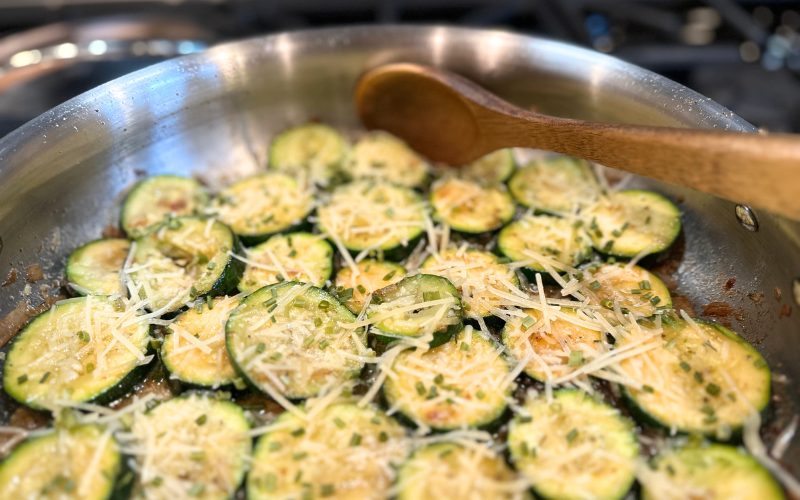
{"x":545,"y":235}
{"x":95,"y":267}
{"x":574,"y":447}
{"x":458,"y":384}
{"x":373,"y":275}
{"x":345,"y":452}
{"x":160,"y":196}
{"x":555,"y":184}
{"x":520,"y":335}
{"x":182,"y":259}
{"x":293,"y":339}
{"x":302,"y":257}
{"x":383,"y":157}
{"x":313,"y":150}
{"x":258,"y":207}
{"x":469,"y":207}
{"x":378,"y":217}
{"x":81,"y":462}
{"x":443,"y":471}
{"x":191,"y":447}
{"x":493,"y":168}
{"x":194,"y":351}
{"x":701,"y":378}
{"x":76,"y":351}
{"x":477,"y":273}
{"x":627,"y":223}
{"x":712,"y":471}
{"x":636,"y":290}
{"x":417,"y":306}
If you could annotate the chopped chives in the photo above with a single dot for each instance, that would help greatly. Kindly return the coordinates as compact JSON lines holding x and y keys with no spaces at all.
{"x":433,"y":392}
{"x":383,"y":437}
{"x":438,"y":379}
{"x":202,"y":419}
{"x":464,"y":346}
{"x":198,"y":308}
{"x":420,"y":388}
{"x":280,"y":278}
{"x":576,"y":358}
{"x":698,"y":377}
{"x":300,"y":302}
{"x":196,"y":490}
{"x":480,"y":394}
{"x":327,"y":490}
{"x":274,"y":446}
{"x":375,"y":420}
{"x":299,"y":456}
{"x":647,"y":388}
{"x":528,"y":322}
{"x":84,"y":336}
{"x":572,"y":435}
{"x":323,"y":344}
{"x":390,"y":275}
{"x":293,"y":253}
{"x":308,"y":341}
{"x":647,"y":295}
{"x":22,"y":379}
{"x":193,"y":292}
{"x":525,"y":419}
{"x":670,"y":344}
{"x":346,"y":295}
{"x":595,"y":285}
{"x":713,"y":389}
{"x":323,"y":304}
{"x":270,"y":302}
{"x":276,"y":356}
{"x":197,"y":455}
{"x":211,"y":266}
{"x":210,"y":302}
{"x":655,"y":300}
{"x":355,"y":439}
{"x":361,"y":289}
{"x":608,"y":304}
{"x":644,"y":285}
{"x":635,"y":291}
{"x":317,"y":322}
{"x":261,"y":347}
{"x":44,"y":378}
{"x":90,"y":368}
{"x":430,"y":296}
{"x":685,"y":366}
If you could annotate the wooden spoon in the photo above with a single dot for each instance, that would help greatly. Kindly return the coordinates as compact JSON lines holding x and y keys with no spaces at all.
{"x":453,"y":120}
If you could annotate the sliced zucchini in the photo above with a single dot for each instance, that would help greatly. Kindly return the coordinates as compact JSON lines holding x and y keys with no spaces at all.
{"x":158,"y":197}
{"x":258,"y":207}
{"x":438,"y":314}
{"x":373,"y":275}
{"x":95,"y":267}
{"x":294,"y":339}
{"x":635,"y":289}
{"x":443,"y":471}
{"x":545,"y":235}
{"x":302,"y":257}
{"x":574,"y":447}
{"x":552,"y":349}
{"x":701,"y":378}
{"x":374,"y":217}
{"x":383,"y":157}
{"x":469,"y":207}
{"x":182,"y":259}
{"x":81,"y":462}
{"x":555,"y":184}
{"x":627,"y":223}
{"x":493,"y":168}
{"x":458,"y":384}
{"x":476,"y":272}
{"x":313,"y":150}
{"x":712,"y":471}
{"x":191,"y":447}
{"x":344,"y":452}
{"x":74,"y":351}
{"x":194,"y":351}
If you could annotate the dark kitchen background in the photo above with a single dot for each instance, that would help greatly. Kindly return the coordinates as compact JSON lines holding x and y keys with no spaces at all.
{"x":743,"y":54}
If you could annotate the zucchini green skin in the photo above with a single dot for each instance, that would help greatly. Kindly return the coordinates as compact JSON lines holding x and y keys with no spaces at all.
{"x":299,"y":148}
{"x":712,"y":429}
{"x":489,"y":208}
{"x":25,"y":342}
{"x":138,"y":213}
{"x":99,"y":274}
{"x":719,"y":470}
{"x":405,"y":392}
{"x":574,"y":416}
{"x":411,"y":286}
{"x":19,"y":471}
{"x":533,"y":188}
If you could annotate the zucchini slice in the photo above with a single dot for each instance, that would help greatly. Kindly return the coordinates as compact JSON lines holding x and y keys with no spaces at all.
{"x":545,"y":235}
{"x":374,"y":217}
{"x":469,"y":207}
{"x":344,"y":452}
{"x":444,"y":471}
{"x":265,"y":204}
{"x":77,"y":351}
{"x":194,"y":351}
{"x":458,"y":384}
{"x":701,"y":378}
{"x":307,"y":345}
{"x":373,"y":275}
{"x":520,"y":335}
{"x":416,"y":306}
{"x":636,"y":290}
{"x":302,"y":257}
{"x":574,"y":447}
{"x":95,"y":267}
{"x":712,"y":471}
{"x":555,"y":184}
{"x":182,"y":259}
{"x":477,"y":273}
{"x":313,"y":150}
{"x":381,"y":156}
{"x":627,"y":223}
{"x":191,"y":447}
{"x":158,"y":197}
{"x":494,"y":168}
{"x":81,"y":462}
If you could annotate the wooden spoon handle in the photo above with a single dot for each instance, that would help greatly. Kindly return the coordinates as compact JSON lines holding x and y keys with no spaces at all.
{"x":762,"y":170}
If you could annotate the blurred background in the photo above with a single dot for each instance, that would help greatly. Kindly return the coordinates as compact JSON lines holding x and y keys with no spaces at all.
{"x":743,"y":54}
